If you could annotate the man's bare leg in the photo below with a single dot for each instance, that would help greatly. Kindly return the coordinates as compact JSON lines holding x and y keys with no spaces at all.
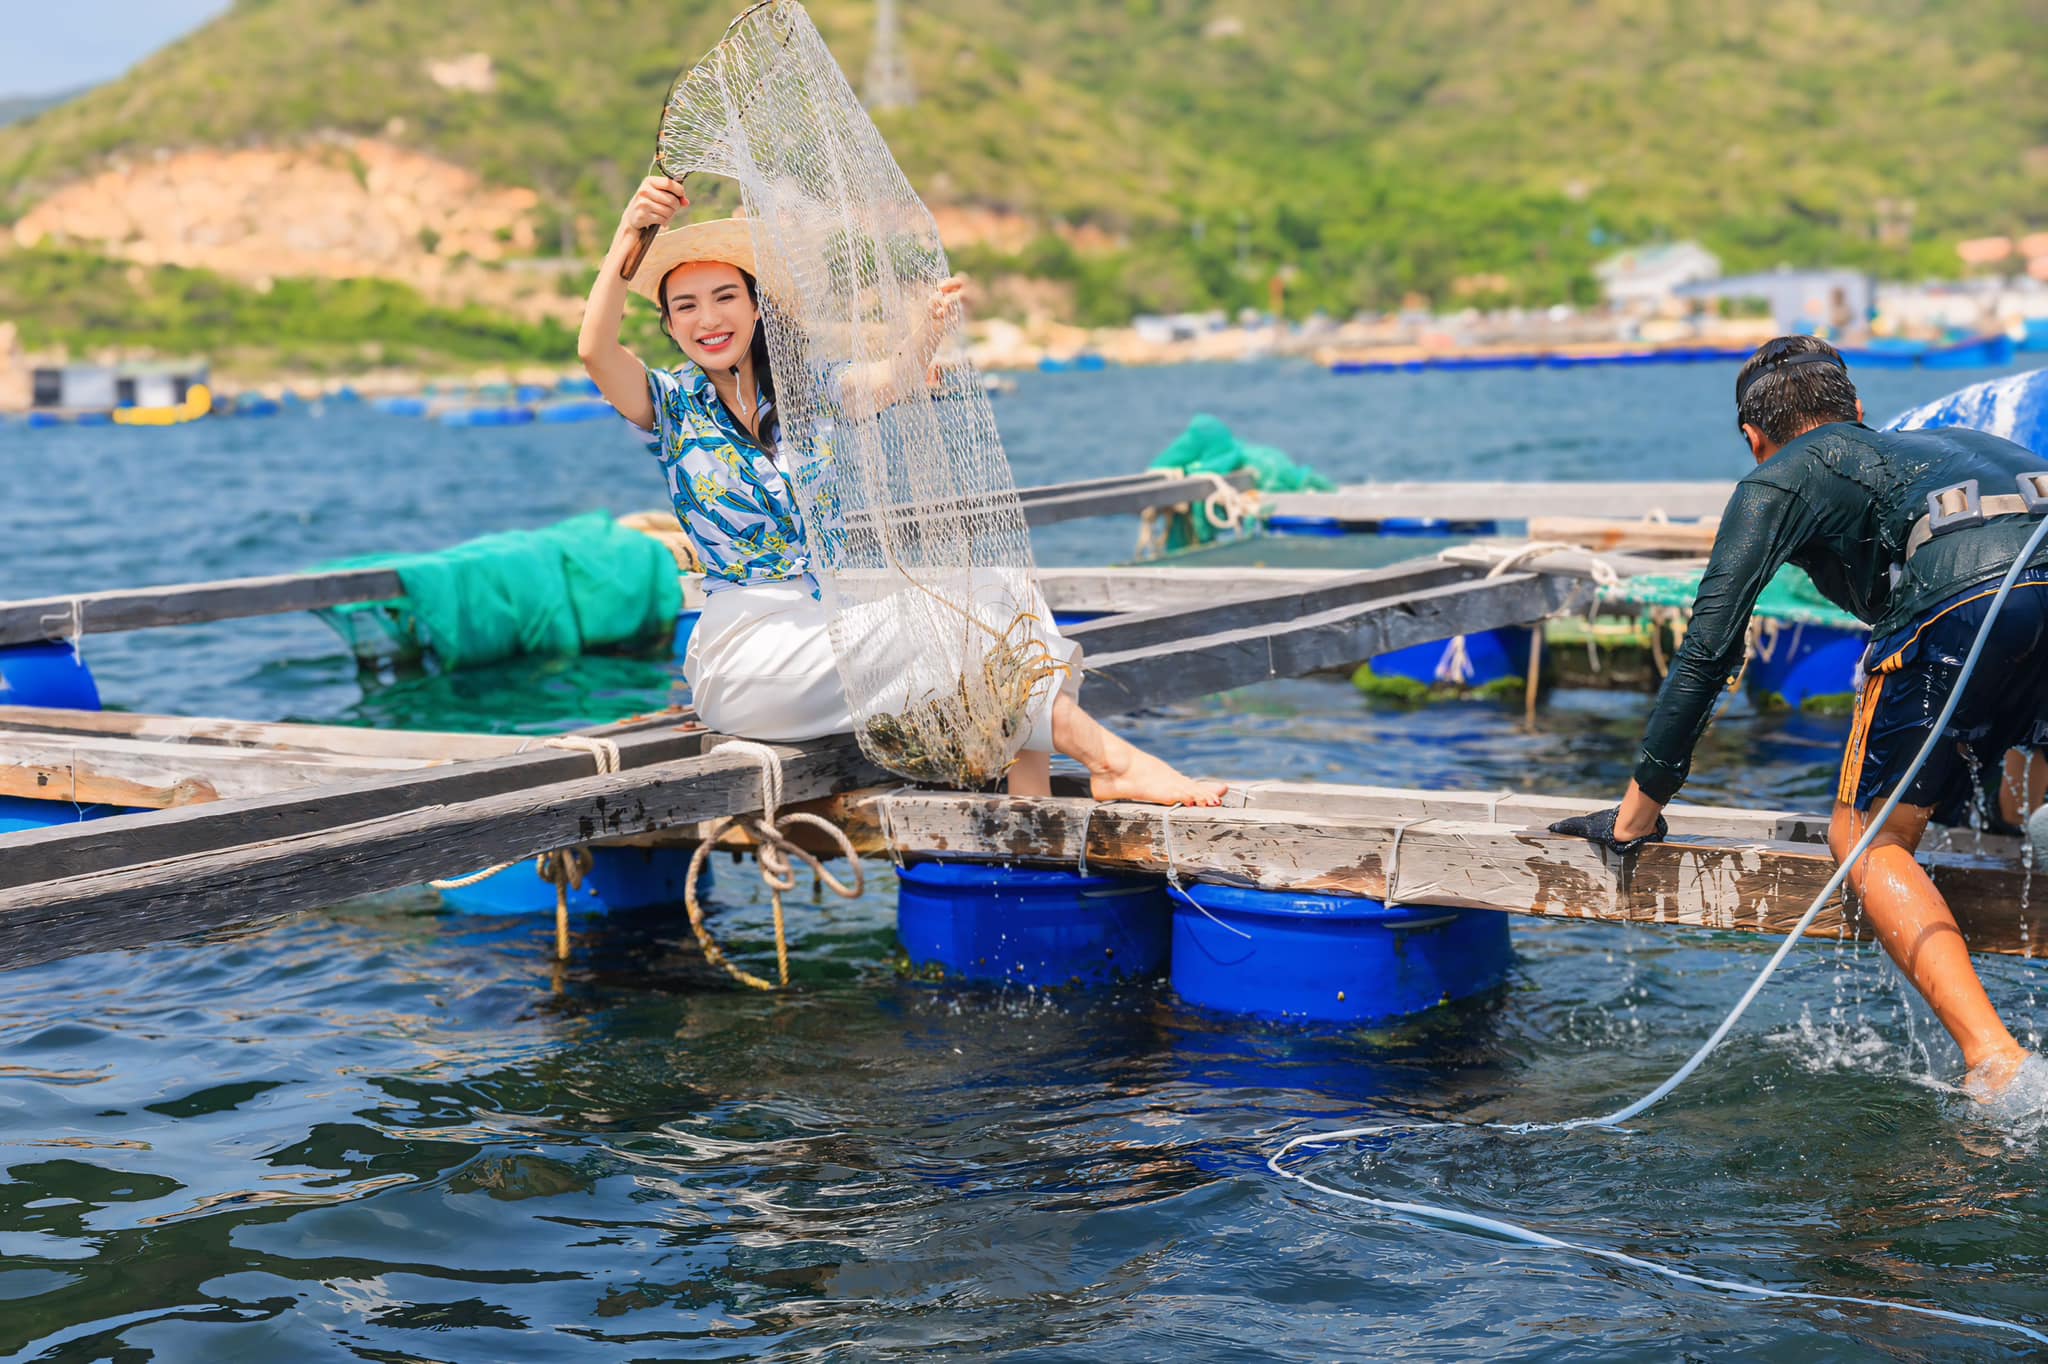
{"x":1916,"y":928}
{"x":1117,"y":770}
{"x":2024,"y":787}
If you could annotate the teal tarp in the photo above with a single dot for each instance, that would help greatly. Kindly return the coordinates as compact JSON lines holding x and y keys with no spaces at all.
{"x":562,"y":590}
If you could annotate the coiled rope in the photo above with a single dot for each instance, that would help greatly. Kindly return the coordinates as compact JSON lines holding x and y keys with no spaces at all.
{"x":1226,"y":509}
{"x":773,"y":850}
{"x":1429,"y":1212}
{"x":563,"y":868}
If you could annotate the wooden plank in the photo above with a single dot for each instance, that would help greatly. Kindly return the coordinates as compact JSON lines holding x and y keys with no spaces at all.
{"x":1371,"y":503}
{"x":1716,"y":883}
{"x":122,"y":840}
{"x":1602,"y":532}
{"x":130,"y":906}
{"x":1516,"y":808}
{"x":1049,"y":505}
{"x":1112,"y":591}
{"x":1568,"y":563}
{"x":1159,"y":673}
{"x":24,"y":622}
{"x":340,"y":739}
{"x":46,"y":618}
{"x":64,"y":766}
{"x":1245,"y":609}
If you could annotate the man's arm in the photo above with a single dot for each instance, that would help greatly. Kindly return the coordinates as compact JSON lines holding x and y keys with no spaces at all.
{"x":1762,"y":527}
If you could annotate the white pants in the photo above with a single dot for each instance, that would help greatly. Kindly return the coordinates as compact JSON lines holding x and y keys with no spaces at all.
{"x":760,"y":666}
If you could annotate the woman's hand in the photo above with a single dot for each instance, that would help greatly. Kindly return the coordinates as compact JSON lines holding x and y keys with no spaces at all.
{"x":654,"y":204}
{"x":947,"y":302}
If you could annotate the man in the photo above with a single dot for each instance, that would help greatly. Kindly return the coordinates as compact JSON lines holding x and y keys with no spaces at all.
{"x":1852,"y":507}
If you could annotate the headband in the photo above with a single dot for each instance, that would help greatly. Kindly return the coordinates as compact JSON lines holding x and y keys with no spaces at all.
{"x":1810,"y":357}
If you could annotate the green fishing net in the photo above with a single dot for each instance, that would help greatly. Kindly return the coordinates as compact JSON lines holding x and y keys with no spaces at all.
{"x":1210,"y":447}
{"x":1789,"y":596}
{"x":565,"y":589}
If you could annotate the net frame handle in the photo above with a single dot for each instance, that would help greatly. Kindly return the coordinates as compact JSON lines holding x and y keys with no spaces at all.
{"x":644,"y":242}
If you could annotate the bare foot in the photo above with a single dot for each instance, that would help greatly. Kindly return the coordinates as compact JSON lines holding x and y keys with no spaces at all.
{"x":1990,"y":1076}
{"x":1142,"y":777}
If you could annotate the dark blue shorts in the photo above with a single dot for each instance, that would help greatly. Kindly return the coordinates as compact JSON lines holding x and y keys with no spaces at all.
{"x":1912,"y":672}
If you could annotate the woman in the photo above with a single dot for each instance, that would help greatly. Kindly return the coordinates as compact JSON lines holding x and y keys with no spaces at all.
{"x":760,"y":663}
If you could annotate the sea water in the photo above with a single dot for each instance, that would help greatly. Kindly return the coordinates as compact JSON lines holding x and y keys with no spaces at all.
{"x":380,"y":1132}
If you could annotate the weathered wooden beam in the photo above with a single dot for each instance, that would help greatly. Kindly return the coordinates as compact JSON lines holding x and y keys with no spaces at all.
{"x":1115,"y":591}
{"x":1747,"y":885}
{"x":123,"y":840}
{"x":1250,"y":607}
{"x":24,"y":622}
{"x":1565,"y":563}
{"x":340,"y":739}
{"x":1603,"y":532}
{"x":1393,"y":803}
{"x":101,"y":769}
{"x":1053,"y":503}
{"x":1155,"y":674}
{"x":46,"y":618}
{"x":129,"y":906}
{"x":1371,"y":503}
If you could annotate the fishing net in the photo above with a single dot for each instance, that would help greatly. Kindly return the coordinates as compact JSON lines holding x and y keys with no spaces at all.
{"x":912,"y":519}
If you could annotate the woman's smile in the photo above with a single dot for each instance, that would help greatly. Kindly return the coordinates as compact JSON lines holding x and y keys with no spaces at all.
{"x":715,"y":341}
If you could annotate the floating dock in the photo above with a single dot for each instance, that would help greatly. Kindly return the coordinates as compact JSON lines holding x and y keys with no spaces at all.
{"x":229,"y":822}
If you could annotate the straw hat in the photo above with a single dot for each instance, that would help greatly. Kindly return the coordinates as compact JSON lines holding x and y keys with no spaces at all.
{"x":722,"y":239}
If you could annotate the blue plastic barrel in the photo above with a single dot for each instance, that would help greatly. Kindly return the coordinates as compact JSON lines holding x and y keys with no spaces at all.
{"x":1434,"y":525}
{"x":1026,"y":926}
{"x":18,"y":813}
{"x":1330,"y":958}
{"x":1323,"y":526}
{"x":1808,"y":661}
{"x":1490,"y":656}
{"x":619,"y":879}
{"x":47,"y":674}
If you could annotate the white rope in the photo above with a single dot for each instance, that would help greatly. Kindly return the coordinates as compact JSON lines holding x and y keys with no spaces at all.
{"x":1455,"y":663}
{"x":74,"y":614}
{"x":1173,"y":877}
{"x":1598,"y":569}
{"x":1392,"y":897}
{"x":774,"y":847}
{"x":606,"y":754}
{"x":604,"y":751}
{"x":771,"y":771}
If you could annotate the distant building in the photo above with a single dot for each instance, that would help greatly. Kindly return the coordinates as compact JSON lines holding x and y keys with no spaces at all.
{"x":1801,"y":301}
{"x":103,"y":388}
{"x":1646,"y":276}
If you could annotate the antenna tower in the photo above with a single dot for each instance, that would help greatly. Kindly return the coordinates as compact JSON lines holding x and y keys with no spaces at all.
{"x":888,"y":78}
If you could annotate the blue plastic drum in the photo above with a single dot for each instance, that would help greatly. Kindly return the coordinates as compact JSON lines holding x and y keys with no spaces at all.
{"x":619,"y":879}
{"x":18,"y":813}
{"x":1808,"y":662}
{"x":1490,"y":656}
{"x":50,"y":674}
{"x":1021,"y":926}
{"x":1330,"y":958}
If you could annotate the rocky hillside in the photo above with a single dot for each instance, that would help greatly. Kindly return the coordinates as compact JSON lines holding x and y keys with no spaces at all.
{"x":1142,"y":153}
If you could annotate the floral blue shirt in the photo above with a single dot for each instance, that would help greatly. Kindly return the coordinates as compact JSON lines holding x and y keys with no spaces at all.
{"x":737,"y":500}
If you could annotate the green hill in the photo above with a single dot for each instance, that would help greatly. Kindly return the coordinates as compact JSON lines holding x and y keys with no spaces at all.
{"x":1377,"y":146}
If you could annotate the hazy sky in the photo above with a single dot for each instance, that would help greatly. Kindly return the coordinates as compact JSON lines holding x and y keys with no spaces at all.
{"x":50,"y":45}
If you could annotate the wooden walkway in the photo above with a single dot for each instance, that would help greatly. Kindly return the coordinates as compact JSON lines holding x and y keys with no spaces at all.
{"x":244,"y":821}
{"x":1369,"y":504}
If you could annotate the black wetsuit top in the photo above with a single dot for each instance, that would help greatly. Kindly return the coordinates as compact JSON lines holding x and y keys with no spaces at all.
{"x":1838,"y":502}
